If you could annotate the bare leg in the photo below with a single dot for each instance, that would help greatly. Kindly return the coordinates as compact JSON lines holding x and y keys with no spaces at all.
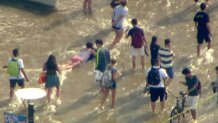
{"x":162,"y":105}
{"x":143,"y":62}
{"x":193,"y":112}
{"x":153,"y":106}
{"x":11,"y":93}
{"x":134,"y":62}
{"x":208,"y":45}
{"x":49,"y":94}
{"x":104,"y":97}
{"x":57,"y":92}
{"x":90,"y":5}
{"x":119,"y":35}
{"x":198,"y":50}
{"x":84,"y":5}
{"x":113,"y":97}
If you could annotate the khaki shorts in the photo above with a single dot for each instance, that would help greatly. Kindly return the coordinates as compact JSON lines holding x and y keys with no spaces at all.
{"x":137,"y":51}
{"x":192,"y":102}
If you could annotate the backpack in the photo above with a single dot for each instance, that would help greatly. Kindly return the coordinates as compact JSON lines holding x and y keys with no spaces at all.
{"x":13,"y":68}
{"x":107,"y":77}
{"x":137,"y":39}
{"x":153,"y":77}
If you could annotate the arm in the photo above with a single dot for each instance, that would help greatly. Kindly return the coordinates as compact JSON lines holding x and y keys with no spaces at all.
{"x":193,"y":88}
{"x":93,"y":52}
{"x":24,"y":73}
{"x":59,"y":70}
{"x":209,"y":29}
{"x":166,"y":81}
{"x":145,"y":46}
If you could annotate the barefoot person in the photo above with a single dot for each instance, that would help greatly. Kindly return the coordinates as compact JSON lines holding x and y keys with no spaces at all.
{"x":118,"y":22}
{"x":52,"y":79}
{"x":87,"y":53}
{"x":102,"y":60}
{"x":157,"y":80}
{"x":87,"y":6}
{"x":138,"y":43}
{"x":202,"y":23}
{"x":166,"y":57}
{"x":111,"y":84}
{"x":15,"y":68}
{"x":193,"y":84}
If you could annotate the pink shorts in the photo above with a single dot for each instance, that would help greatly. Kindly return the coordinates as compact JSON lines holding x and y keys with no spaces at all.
{"x":76,"y":58}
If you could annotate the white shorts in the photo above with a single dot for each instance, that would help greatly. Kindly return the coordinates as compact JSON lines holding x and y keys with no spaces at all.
{"x":192,"y":101}
{"x":137,"y":51}
{"x":98,"y":75}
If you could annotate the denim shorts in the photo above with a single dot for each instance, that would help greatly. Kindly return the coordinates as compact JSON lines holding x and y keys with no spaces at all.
{"x":170,"y":72}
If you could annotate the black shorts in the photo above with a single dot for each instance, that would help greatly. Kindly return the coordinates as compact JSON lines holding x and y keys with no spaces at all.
{"x":203,"y":36}
{"x":157,"y":92}
{"x":13,"y":82}
{"x":116,"y":28}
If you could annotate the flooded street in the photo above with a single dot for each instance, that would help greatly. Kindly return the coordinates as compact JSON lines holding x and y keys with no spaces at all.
{"x":63,"y":32}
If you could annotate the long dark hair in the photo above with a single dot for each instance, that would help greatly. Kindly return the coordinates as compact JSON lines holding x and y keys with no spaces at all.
{"x":51,"y":63}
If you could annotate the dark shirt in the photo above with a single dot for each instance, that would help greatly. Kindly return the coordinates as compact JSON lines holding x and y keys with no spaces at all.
{"x":102,"y":59}
{"x":202,"y":18}
{"x":191,"y":82}
{"x":154,"y":49}
{"x":135,"y":29}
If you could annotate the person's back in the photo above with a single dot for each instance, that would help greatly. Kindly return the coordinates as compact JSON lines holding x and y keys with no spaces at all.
{"x":166,"y":57}
{"x":202,"y":18}
{"x":103,"y":59}
{"x":154,"y":49}
{"x":15,"y":68}
{"x":157,"y":90}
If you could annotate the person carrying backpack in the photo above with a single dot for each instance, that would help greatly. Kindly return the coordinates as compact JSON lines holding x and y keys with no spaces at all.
{"x":138,"y":43}
{"x":109,"y":82}
{"x":15,"y":69}
{"x":194,"y":90}
{"x":157,"y":80}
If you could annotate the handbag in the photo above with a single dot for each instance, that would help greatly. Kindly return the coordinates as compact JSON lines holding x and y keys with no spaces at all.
{"x":42,"y":77}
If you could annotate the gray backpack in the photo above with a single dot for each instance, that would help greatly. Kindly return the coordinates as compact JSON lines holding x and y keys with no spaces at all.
{"x":107,"y":77}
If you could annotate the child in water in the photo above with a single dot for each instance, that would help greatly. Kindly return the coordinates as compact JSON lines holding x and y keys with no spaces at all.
{"x":112,"y":86}
{"x":86,"y":54}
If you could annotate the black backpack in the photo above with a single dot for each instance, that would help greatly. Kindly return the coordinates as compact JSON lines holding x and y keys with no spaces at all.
{"x":153,"y":77}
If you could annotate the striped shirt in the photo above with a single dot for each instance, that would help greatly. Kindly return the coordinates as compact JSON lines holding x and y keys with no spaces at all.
{"x":166,"y":57}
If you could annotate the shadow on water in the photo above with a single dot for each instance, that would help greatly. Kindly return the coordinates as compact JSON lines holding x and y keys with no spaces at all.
{"x":212,"y":8}
{"x":4,"y":102}
{"x":84,"y":100}
{"x":143,"y":117}
{"x":33,"y":7}
{"x":101,"y":34}
{"x":63,"y":20}
{"x":181,"y":16}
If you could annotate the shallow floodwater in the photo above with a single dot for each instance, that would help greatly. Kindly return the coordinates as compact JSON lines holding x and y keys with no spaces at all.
{"x":63,"y":32}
